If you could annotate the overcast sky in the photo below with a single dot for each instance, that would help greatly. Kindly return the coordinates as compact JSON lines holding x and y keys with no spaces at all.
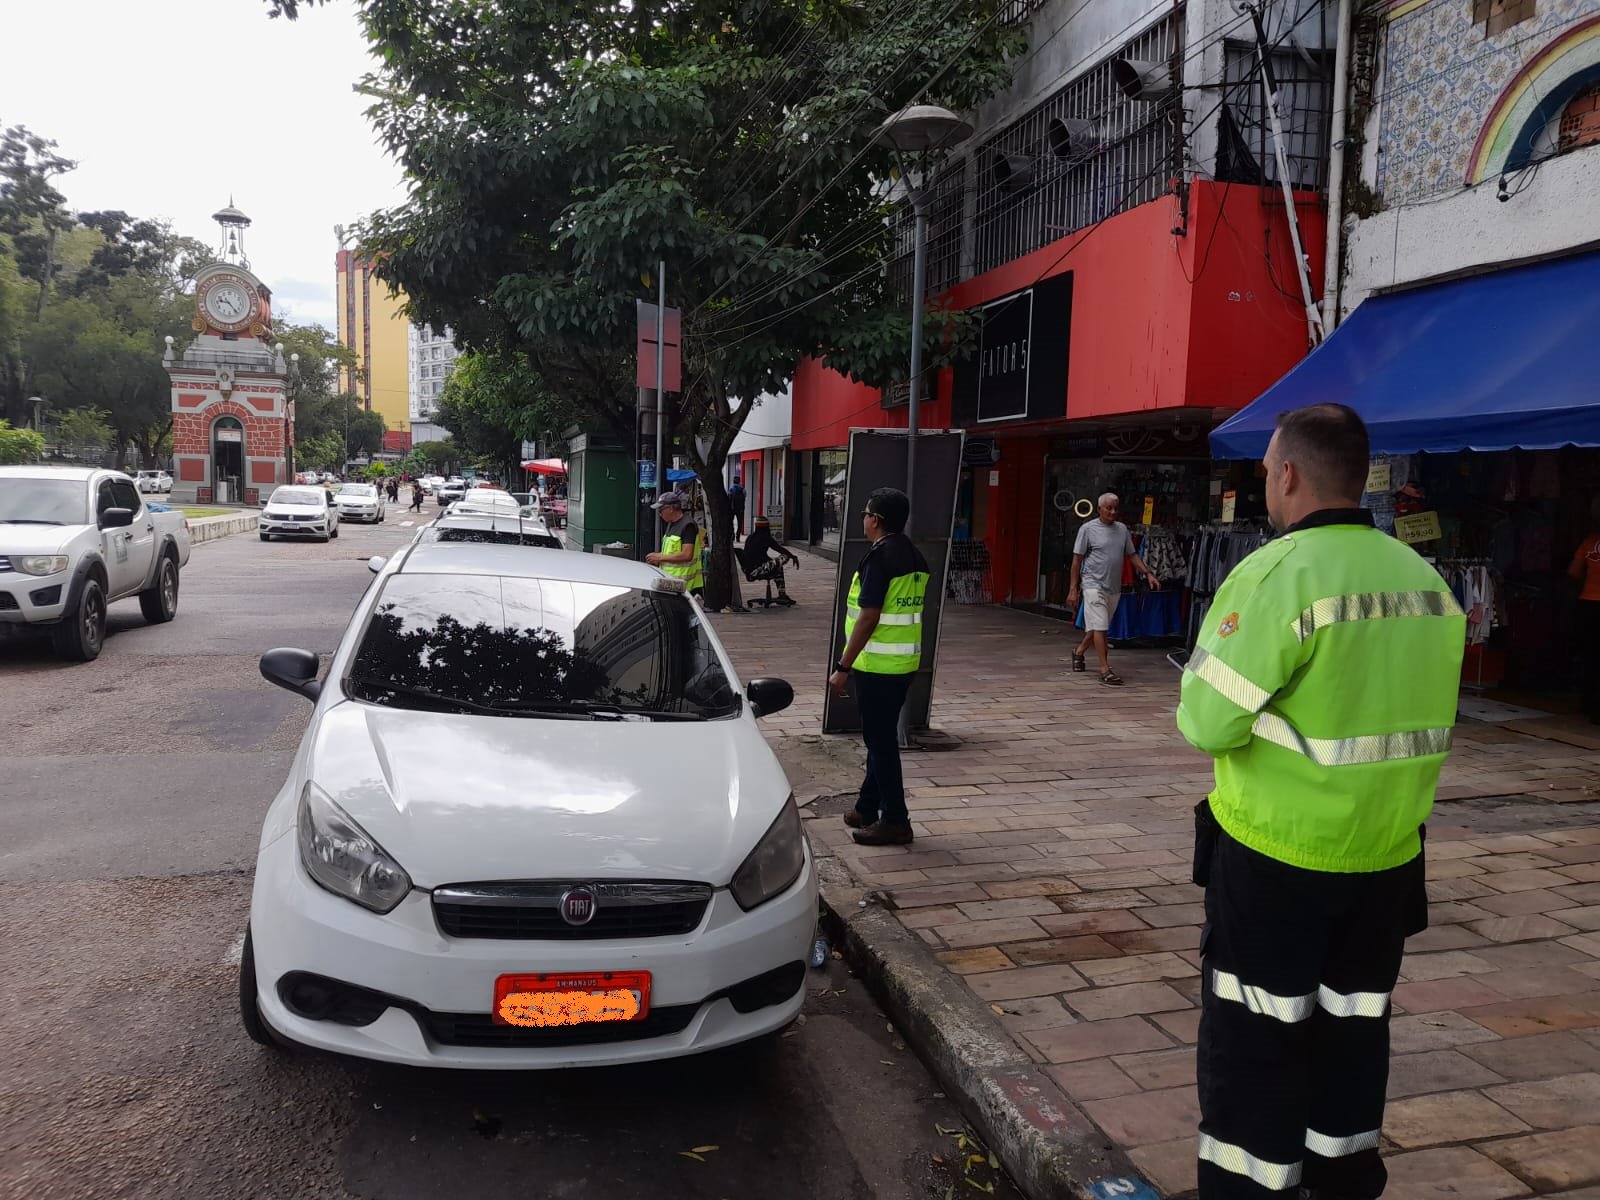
{"x":171,"y":107}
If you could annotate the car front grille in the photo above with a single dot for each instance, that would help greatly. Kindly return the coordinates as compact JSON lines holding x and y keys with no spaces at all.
{"x":5,"y":563}
{"x":532,"y":910}
{"x":480,"y":1029}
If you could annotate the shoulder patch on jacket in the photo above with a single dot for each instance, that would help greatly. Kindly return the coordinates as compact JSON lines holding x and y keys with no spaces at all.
{"x":1229,"y":626}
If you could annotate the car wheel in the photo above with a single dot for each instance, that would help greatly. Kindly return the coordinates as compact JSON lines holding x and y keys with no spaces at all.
{"x":160,"y":603}
{"x":249,"y":1004}
{"x":334,"y":532}
{"x":266,"y":537}
{"x":81,"y":634}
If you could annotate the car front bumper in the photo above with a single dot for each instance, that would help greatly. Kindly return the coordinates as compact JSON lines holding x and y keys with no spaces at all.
{"x":433,"y":984}
{"x":360,"y":514}
{"x":291,"y":528}
{"x":33,"y":599}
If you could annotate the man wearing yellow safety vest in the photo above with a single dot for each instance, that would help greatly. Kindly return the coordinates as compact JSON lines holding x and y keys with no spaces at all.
{"x":1325,"y":687}
{"x":682,"y":543}
{"x":883,"y":648}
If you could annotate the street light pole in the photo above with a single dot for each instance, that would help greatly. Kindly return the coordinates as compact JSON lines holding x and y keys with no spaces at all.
{"x":919,"y":286}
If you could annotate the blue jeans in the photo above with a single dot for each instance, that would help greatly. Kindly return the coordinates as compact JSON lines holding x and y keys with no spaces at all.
{"x":879,"y":699}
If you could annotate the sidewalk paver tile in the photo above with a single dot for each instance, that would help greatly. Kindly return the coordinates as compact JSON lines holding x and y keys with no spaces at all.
{"x":1453,"y":1173}
{"x":1134,"y":968}
{"x":1147,"y":1117}
{"x":1026,"y":981}
{"x":1436,"y":1071}
{"x":1060,"y":949}
{"x":1159,"y":1068}
{"x":1171,"y":1166}
{"x":1092,"y":1079}
{"x":975,"y":960}
{"x":1550,"y":1103}
{"x":1446,"y":1117}
{"x":1128,"y":1000}
{"x":1125,"y":1035}
{"x":1563,"y":1158}
{"x":1540,"y":1056}
{"x":1435,"y":1031}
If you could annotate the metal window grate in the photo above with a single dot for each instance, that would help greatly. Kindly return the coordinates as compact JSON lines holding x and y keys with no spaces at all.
{"x":1305,"y":100}
{"x":1086,"y":153}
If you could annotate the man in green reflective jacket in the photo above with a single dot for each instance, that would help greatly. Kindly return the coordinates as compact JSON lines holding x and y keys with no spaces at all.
{"x":1325,"y":687}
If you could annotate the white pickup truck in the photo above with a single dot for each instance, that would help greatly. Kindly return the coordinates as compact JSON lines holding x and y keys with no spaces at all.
{"x":75,"y":539}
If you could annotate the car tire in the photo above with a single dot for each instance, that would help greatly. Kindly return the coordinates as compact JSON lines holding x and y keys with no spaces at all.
{"x":81,"y":635}
{"x":159,"y":604}
{"x":250,"y":1005}
{"x":266,"y":537}
{"x":334,"y":532}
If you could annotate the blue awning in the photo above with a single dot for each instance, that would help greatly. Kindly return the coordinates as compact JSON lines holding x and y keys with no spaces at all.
{"x":1492,"y":362}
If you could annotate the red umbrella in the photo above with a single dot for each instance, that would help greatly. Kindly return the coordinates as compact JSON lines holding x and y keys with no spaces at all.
{"x":546,"y":466}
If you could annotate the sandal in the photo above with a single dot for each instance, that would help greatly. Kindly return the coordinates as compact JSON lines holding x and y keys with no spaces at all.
{"x":1111,"y":678}
{"x":1079,"y":663}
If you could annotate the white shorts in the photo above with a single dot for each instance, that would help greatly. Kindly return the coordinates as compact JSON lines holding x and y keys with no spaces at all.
{"x":1098,"y":609}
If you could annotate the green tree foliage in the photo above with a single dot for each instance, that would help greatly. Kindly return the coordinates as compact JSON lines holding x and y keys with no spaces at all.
{"x":322,"y":453}
{"x":19,"y":445}
{"x":82,"y":433}
{"x":557,"y":151}
{"x":493,"y":402}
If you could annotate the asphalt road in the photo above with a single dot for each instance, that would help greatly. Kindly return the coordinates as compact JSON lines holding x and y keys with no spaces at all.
{"x":131,"y":794}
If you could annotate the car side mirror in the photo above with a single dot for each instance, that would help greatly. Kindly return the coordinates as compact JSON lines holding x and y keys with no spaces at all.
{"x":116,"y":518}
{"x":768,"y":696}
{"x":376,"y":563}
{"x":292,"y":669}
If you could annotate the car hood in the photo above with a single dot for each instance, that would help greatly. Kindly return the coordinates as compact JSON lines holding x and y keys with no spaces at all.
{"x":292,"y":510}
{"x":461,"y":799}
{"x":17,"y":540}
{"x":369,"y":501}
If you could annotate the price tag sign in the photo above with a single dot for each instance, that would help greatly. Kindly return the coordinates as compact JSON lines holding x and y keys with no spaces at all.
{"x":1418,"y":527}
{"x":1229,"y":500}
{"x":1149,"y":510}
{"x":1378,"y":478}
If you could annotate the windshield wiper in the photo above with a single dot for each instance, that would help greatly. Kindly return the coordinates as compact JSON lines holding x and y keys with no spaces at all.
{"x":580,"y":710}
{"x":661,"y":714}
{"x":27,"y":521}
{"x":415,"y":693}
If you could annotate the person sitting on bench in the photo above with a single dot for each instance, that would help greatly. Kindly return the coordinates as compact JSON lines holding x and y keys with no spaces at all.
{"x":755,"y":558}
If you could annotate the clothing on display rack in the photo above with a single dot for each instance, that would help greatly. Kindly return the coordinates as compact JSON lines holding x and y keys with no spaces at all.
{"x":1217,"y":551}
{"x":1477,"y":588}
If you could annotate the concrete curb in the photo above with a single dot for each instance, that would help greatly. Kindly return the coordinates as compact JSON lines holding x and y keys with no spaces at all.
{"x":1051,"y":1150}
{"x":208,"y":529}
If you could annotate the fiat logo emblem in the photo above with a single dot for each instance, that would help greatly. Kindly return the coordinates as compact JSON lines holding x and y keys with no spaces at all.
{"x":577,"y":905}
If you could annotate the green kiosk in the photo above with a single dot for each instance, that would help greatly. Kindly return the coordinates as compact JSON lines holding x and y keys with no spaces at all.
{"x":602,"y":492}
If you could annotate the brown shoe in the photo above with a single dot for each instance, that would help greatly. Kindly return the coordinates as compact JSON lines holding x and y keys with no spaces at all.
{"x":855,"y":820}
{"x":883,"y":835}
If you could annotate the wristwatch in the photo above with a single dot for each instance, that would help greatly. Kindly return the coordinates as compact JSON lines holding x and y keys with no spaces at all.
{"x":839,"y":666}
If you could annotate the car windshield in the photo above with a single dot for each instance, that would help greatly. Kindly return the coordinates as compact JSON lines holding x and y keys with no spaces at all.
{"x":507,"y":536}
{"x":298,"y":496}
{"x":44,"y":501}
{"x":530,"y":646}
{"x":365,"y":490}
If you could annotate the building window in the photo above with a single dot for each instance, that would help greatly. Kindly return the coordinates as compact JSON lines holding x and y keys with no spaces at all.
{"x":1497,"y":16}
{"x":1244,"y":137}
{"x":1580,"y":120}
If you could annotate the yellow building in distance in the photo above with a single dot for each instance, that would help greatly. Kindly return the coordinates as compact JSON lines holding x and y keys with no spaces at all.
{"x":372,"y":323}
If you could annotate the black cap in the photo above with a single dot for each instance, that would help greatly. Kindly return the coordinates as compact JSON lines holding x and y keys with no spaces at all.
{"x":892,"y":505}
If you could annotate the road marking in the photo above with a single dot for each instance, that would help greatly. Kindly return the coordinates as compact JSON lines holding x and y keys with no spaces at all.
{"x":235,"y":953}
{"x":407,"y":524}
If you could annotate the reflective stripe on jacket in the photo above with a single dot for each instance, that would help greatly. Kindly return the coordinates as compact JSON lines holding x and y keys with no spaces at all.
{"x":1325,"y":687}
{"x":896,"y":645}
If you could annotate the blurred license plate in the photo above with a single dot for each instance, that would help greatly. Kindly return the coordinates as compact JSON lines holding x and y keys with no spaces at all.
{"x":547,"y":1000}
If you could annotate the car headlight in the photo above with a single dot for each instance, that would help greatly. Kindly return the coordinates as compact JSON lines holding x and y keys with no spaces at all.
{"x":41,"y":564}
{"x":775,"y":863}
{"x":341,"y":856}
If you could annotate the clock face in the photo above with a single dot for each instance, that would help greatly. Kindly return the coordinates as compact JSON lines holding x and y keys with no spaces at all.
{"x":229,"y":304}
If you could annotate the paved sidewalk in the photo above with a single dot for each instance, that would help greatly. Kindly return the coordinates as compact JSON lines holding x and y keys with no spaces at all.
{"x":1051,"y":873}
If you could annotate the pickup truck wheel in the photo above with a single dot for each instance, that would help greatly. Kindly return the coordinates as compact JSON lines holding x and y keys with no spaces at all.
{"x":82,"y":632}
{"x":160,"y":603}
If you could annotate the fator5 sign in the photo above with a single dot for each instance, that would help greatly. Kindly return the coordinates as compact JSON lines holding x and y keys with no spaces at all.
{"x":1019,"y":369}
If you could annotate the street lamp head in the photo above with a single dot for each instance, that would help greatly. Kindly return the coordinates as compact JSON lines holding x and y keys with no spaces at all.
{"x":922,"y":127}
{"x":167,"y":339}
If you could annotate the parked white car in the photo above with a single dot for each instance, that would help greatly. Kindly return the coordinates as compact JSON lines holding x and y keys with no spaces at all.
{"x":74,"y":540}
{"x":505,"y":529}
{"x":299,"y":511}
{"x":360,"y":502}
{"x":449,"y":491}
{"x":153,"y":481}
{"x":532,"y":823}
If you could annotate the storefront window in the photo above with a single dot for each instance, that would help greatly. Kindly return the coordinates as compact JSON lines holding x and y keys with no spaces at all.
{"x":832,"y":465}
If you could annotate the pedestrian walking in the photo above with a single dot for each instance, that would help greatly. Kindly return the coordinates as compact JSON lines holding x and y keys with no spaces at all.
{"x":1585,"y":571}
{"x":736,"y":499}
{"x":682,"y":542}
{"x":1324,"y":685}
{"x":394,"y":490}
{"x":416,"y":496}
{"x":1097,"y":557}
{"x":883,"y":648}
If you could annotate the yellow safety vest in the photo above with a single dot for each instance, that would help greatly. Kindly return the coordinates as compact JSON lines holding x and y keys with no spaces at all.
{"x":896,"y":645}
{"x":690,"y":572}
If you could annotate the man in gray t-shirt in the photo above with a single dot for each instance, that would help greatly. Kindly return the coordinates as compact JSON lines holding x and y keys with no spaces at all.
{"x":1097,"y":557}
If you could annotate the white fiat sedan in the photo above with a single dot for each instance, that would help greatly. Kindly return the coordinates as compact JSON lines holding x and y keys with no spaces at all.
{"x":532,"y":823}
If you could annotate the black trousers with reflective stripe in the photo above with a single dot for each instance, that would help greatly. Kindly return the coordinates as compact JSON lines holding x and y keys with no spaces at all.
{"x":1293,"y":1057}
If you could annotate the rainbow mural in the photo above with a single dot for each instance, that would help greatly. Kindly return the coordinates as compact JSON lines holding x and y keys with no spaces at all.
{"x":1534,"y":97}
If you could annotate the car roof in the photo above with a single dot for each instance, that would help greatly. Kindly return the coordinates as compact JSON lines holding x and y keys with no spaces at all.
{"x":50,"y":471}
{"x":529,"y":562}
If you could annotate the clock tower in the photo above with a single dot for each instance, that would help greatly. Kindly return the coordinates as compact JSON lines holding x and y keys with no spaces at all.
{"x":231,"y":425}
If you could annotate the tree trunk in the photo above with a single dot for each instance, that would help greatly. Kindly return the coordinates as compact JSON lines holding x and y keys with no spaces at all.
{"x":719,"y":513}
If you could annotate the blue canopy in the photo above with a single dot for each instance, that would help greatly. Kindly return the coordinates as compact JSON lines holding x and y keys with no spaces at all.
{"x":674,"y":475}
{"x":1491,"y":362}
